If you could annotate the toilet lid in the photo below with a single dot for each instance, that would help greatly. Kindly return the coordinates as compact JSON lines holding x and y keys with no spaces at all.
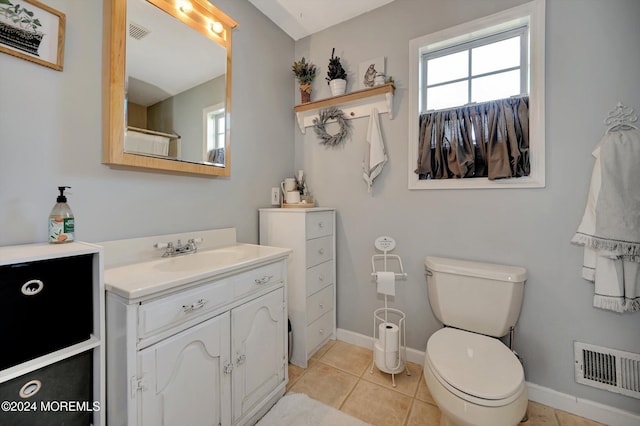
{"x":474,"y":364}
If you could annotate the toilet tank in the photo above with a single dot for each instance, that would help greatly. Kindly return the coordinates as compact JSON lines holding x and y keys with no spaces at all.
{"x":480,"y":297}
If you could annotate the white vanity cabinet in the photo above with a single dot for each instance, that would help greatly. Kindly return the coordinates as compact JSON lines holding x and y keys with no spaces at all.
{"x":310,"y":232}
{"x":209,"y":352}
{"x":183,"y":380}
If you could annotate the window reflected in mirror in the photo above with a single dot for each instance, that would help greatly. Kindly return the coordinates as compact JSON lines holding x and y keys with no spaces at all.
{"x":214,"y":134}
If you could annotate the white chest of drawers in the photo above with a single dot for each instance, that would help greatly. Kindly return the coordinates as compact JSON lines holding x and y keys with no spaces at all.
{"x":310,"y":232}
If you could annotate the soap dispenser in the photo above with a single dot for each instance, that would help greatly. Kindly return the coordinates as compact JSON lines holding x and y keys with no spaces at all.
{"x":61,"y":224}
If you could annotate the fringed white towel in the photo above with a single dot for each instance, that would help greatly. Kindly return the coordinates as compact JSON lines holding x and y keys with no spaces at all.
{"x":375,"y":157}
{"x":610,"y":227}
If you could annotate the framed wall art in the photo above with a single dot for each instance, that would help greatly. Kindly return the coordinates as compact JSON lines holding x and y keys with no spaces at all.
{"x":32,"y":31}
{"x":367,"y":71}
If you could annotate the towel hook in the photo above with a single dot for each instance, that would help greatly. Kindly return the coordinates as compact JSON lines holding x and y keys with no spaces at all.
{"x":620,"y":118}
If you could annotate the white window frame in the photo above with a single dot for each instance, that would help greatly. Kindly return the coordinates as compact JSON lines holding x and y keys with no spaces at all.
{"x":211,"y":113}
{"x":531,"y":14}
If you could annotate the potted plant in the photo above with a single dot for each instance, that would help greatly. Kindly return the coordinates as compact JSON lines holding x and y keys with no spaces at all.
{"x":305,"y":72}
{"x":336,"y":75}
{"x":20,"y":29}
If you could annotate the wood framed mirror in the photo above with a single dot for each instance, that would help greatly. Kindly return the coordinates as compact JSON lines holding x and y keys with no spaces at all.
{"x":127,"y":141}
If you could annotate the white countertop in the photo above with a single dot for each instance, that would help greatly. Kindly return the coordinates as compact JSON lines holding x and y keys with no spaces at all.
{"x":43,"y":251}
{"x":158,"y":276}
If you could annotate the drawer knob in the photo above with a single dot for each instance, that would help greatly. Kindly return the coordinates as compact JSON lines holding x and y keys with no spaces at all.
{"x":320,"y":225}
{"x":321,"y":277}
{"x":30,"y":388}
{"x":321,"y":306}
{"x":321,"y":331}
{"x":263,"y":280}
{"x":321,"y":251}
{"x":32,"y":287}
{"x":194,"y":306}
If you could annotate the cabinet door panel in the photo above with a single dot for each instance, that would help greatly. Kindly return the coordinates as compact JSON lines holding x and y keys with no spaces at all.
{"x":183,"y":380}
{"x":258,"y":350}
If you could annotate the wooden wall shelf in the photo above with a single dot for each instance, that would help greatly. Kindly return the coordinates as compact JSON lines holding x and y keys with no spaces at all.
{"x":355,"y":104}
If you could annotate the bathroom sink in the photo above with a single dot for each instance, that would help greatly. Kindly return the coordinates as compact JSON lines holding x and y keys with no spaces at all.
{"x":199,"y":260}
{"x":135,"y":268}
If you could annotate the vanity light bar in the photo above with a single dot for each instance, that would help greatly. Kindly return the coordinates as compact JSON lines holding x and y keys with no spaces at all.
{"x":202,"y":16}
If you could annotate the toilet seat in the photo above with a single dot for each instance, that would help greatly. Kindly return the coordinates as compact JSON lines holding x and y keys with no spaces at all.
{"x":476,"y":368}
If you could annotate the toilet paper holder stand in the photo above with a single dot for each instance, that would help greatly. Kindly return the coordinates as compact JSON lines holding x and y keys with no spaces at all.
{"x":389,"y":338}
{"x":386,"y":244}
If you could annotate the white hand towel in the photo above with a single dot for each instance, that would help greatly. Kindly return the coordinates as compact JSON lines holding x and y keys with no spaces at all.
{"x":375,"y":157}
{"x":610,"y":226}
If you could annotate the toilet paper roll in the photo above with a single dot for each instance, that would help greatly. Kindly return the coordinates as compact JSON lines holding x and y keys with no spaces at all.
{"x":388,"y":334}
{"x":386,"y":361}
{"x":386,"y":283}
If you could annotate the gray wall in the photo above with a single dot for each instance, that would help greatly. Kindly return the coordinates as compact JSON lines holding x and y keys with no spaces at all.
{"x":50,"y":134}
{"x":592,"y":63}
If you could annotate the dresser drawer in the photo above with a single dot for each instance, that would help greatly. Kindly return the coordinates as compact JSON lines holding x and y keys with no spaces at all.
{"x":319,"y":331}
{"x":43,"y":390}
{"x":44,"y":306}
{"x":319,"y":250}
{"x":175,"y":309}
{"x":319,"y":276}
{"x":257,"y":279}
{"x":319,"y":304}
{"x":319,"y":224}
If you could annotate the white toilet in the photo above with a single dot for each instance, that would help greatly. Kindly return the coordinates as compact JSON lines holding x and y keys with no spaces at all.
{"x":474,"y":378}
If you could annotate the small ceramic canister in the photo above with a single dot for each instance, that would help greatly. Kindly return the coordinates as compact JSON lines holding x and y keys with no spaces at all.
{"x":293,"y":197}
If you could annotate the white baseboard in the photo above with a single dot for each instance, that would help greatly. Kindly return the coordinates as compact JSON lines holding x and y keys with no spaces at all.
{"x":413,"y":355}
{"x":580,"y":407}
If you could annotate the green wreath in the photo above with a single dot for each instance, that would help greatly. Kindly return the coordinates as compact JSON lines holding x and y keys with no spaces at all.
{"x":319,"y":123}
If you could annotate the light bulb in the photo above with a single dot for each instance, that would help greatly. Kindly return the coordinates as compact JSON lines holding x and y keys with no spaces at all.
{"x":216,"y":27}
{"x":185,"y":6}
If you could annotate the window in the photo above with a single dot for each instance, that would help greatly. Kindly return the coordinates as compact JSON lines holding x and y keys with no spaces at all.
{"x":492,"y":58}
{"x":489,"y":68}
{"x":214,"y":133}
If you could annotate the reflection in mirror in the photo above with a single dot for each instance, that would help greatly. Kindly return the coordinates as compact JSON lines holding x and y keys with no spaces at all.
{"x":174,"y":74}
{"x":168,"y":108}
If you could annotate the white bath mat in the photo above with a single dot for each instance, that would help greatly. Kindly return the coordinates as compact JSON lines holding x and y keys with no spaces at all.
{"x":297,"y":409}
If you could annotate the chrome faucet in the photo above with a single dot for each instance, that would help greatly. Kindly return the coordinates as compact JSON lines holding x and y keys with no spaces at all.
{"x":178,"y":248}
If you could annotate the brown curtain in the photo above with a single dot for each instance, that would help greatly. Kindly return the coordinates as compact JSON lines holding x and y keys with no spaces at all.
{"x":489,"y":139}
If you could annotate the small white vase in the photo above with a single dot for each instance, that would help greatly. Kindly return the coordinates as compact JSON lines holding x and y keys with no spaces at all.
{"x":338,"y":86}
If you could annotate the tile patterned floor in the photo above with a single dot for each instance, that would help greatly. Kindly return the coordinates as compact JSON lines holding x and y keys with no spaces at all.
{"x":339,"y":375}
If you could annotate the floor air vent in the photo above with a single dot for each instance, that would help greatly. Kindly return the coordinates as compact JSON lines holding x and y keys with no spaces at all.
{"x":609,"y":369}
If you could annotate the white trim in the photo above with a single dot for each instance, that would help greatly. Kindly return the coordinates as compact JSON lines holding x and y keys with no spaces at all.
{"x":572,"y":404}
{"x":582,"y":407}
{"x":413,"y":355}
{"x":534,"y":13}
